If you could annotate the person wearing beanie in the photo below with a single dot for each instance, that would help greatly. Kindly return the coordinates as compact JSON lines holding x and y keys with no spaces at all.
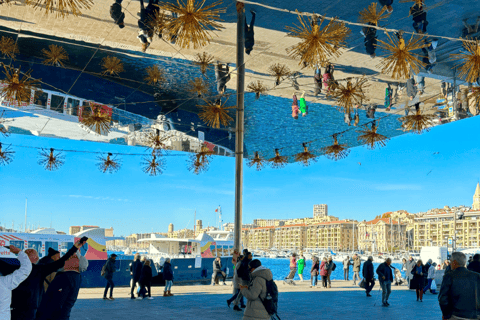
{"x":256,"y":291}
{"x":117,"y":15}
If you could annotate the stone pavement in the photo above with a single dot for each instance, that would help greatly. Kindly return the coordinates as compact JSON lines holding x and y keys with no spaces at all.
{"x":343,"y":301}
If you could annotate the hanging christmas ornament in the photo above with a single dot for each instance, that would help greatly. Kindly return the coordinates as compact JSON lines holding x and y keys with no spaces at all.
{"x":8,"y":47}
{"x":204,"y":60}
{"x":6,"y":155}
{"x":336,"y":151}
{"x":474,"y":98}
{"x":112,"y":66}
{"x":155,"y":75}
{"x":159,"y":22}
{"x":55,"y":56}
{"x":305,"y":157}
{"x":278,"y":161}
{"x":198,"y":86}
{"x":279,"y":71}
{"x":417,"y":122}
{"x":258,"y":87}
{"x":62,"y":7}
{"x":192,"y":23}
{"x":317,"y":44}
{"x":257,"y":161}
{"x":215,"y":114}
{"x":200,"y":161}
{"x":349,"y":95}
{"x":470,"y":61}
{"x":154,"y":165}
{"x":51,"y":160}
{"x":17,"y":89}
{"x":96,"y":119}
{"x":108,"y":164}
{"x":371,"y":138}
{"x":157,"y":141}
{"x":401,"y":59}
{"x":370,"y":14}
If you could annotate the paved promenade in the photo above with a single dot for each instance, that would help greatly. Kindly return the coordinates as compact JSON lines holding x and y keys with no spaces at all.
{"x":343,"y":301}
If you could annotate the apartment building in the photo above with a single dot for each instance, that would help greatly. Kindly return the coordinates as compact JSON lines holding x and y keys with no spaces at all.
{"x":259,"y":238}
{"x":320,"y":210}
{"x":269,"y":222}
{"x":332,"y":235}
{"x":289,"y":237}
{"x":384,"y":235}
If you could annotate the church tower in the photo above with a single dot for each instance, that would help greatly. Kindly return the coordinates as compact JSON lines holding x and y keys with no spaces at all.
{"x":476,"y":198}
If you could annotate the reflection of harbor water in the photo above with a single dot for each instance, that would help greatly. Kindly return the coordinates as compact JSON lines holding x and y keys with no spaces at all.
{"x":280,"y":269}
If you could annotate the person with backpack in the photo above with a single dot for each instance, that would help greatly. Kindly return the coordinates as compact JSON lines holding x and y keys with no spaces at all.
{"x":243,"y":276}
{"x":107,"y":272}
{"x":256,"y":292}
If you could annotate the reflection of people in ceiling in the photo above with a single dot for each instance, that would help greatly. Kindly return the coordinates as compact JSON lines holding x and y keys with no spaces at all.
{"x":388,"y":4}
{"x":145,"y":35}
{"x":222,"y":76}
{"x":317,"y":79}
{"x":370,"y":40}
{"x":470,"y":30}
{"x":419,"y":18}
{"x":295,"y":109}
{"x":116,"y":13}
{"x":249,"y":34}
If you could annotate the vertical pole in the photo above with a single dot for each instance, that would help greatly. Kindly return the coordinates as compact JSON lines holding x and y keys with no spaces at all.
{"x":25,"y":228}
{"x":454,"y":245}
{"x":239,"y":126}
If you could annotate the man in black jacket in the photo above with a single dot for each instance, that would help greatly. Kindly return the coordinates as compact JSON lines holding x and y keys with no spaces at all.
{"x":460,"y":291}
{"x":368,"y":276}
{"x":27,"y":296}
{"x":135,"y":272}
{"x":385,"y":276}
{"x":116,"y":13}
{"x":475,"y":264}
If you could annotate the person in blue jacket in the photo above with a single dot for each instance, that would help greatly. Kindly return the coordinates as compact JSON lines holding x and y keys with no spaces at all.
{"x":168,"y":277}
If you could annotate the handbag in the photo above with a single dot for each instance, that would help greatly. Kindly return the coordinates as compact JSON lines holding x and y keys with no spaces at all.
{"x":433,"y":286}
{"x":362,"y":283}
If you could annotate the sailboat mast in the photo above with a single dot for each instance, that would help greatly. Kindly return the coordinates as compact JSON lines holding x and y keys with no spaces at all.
{"x":195,"y":224}
{"x":25,"y":228}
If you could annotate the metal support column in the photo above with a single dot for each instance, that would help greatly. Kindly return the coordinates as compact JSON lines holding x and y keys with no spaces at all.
{"x":239,"y":126}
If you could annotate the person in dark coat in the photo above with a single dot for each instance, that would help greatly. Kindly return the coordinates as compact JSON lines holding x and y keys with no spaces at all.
{"x":109,"y":271}
{"x":135,"y":273}
{"x":475,"y":264}
{"x":249,"y":34}
{"x":418,"y":279}
{"x":168,"y":277}
{"x":27,"y":296}
{"x":63,"y":291}
{"x":222,"y":76}
{"x":368,"y":275}
{"x":411,"y":89}
{"x":419,"y":18}
{"x":317,"y":80}
{"x":53,"y":255}
{"x":459,"y":295}
{"x":388,"y":4}
{"x":116,"y":13}
{"x":385,"y":276}
{"x":146,"y":280}
{"x":370,"y":40}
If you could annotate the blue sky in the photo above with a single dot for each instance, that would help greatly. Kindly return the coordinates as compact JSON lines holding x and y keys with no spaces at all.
{"x":406,"y":174}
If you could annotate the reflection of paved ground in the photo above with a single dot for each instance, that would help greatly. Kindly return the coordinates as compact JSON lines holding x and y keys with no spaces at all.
{"x":299,"y":302}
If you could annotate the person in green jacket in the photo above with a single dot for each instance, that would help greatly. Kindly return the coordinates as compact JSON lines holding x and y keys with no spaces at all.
{"x":301,"y":266}
{"x":303,"y":105}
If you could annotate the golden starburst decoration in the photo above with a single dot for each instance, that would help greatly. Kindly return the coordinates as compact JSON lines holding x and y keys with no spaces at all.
{"x":470,"y":61}
{"x":371,"y":138}
{"x":17,"y":89}
{"x":194,"y":23}
{"x":336,"y":151}
{"x":279,"y":71}
{"x":474,"y":97}
{"x":3,"y":130}
{"x":6,"y":155}
{"x":349,"y":95}
{"x":96,"y":119}
{"x":8,"y":47}
{"x":55,"y":55}
{"x":199,"y":162}
{"x":62,"y":7}
{"x":258,"y":87}
{"x":401,"y":58}
{"x":257,"y":161}
{"x":158,"y":22}
{"x":108,"y":164}
{"x":157,"y":141}
{"x":278,"y":161}
{"x":204,"y":60}
{"x":305,"y":157}
{"x":370,"y":14}
{"x":417,"y":122}
{"x":155,"y":75}
{"x":198,"y":86}
{"x":112,"y":66}
{"x":317,"y":44}
{"x":215,"y":114}
{"x":50,"y":159}
{"x":154,"y":165}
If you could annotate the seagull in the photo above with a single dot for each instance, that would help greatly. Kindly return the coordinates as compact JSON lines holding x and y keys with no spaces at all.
{"x":429,"y":172}
{"x":436,"y":152}
{"x":359,"y":163}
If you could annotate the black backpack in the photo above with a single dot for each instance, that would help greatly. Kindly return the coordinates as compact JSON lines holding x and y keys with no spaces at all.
{"x":243,"y":272}
{"x":334,"y":266}
{"x":271,"y":299}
